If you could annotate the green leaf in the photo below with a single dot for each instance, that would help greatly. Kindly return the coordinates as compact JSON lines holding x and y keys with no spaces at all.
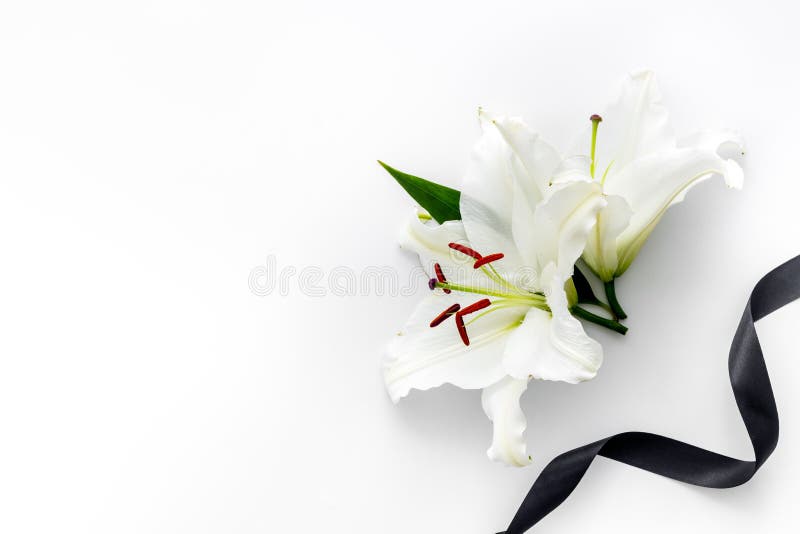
{"x":440,"y":201}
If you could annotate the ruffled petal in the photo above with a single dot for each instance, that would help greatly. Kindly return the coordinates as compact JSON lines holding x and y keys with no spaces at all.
{"x":501,"y":404}
{"x":654,"y":183}
{"x":421,"y":357}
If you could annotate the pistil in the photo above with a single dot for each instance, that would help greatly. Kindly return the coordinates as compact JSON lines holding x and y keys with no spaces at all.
{"x":596,"y":120}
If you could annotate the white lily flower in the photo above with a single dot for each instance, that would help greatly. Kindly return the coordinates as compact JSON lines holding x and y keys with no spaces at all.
{"x":644,"y":169}
{"x":499,"y":314}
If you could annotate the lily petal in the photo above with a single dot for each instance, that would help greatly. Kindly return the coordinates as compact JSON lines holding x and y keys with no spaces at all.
{"x":654,"y":183}
{"x":557,"y":236}
{"x":552,"y":346}
{"x":539,"y":159}
{"x":421,"y":357}
{"x":570,"y":339}
{"x":573,"y":169}
{"x":430,"y":241}
{"x":716,"y":141}
{"x":636,"y":125}
{"x":501,"y":403}
{"x":487,"y":194}
{"x":600,"y":253}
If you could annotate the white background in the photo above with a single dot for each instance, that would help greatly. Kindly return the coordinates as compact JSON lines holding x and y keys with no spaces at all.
{"x":153,"y":154}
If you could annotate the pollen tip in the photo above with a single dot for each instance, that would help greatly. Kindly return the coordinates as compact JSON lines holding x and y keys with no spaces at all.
{"x":439,"y":273}
{"x":596,"y":118}
{"x":462,"y":330}
{"x":488,"y":259}
{"x":465,"y":250}
{"x":476,"y":306}
{"x":442,"y":317}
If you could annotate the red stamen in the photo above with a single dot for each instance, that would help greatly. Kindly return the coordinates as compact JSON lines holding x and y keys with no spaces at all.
{"x":465,"y":250}
{"x":472,"y":308}
{"x":442,"y":317}
{"x":440,"y":276}
{"x":488,"y":259}
{"x":462,"y":330}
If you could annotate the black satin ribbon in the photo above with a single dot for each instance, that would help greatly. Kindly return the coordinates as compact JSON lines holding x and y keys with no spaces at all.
{"x":675,"y":459}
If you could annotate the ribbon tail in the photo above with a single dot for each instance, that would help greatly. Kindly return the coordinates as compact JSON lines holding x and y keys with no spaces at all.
{"x":675,"y":459}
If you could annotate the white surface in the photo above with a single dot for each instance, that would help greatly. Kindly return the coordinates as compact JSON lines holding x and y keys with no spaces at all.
{"x":152,"y":155}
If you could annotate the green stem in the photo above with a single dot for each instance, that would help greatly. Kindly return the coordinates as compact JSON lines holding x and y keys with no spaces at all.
{"x":577,"y":311}
{"x":611,"y":294}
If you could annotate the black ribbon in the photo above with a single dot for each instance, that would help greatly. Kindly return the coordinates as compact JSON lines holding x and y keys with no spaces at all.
{"x":675,"y":459}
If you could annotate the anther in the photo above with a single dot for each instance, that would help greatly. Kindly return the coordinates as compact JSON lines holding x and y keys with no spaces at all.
{"x":462,"y":330}
{"x":488,"y":259}
{"x":440,"y":276}
{"x":442,"y":317}
{"x":472,"y":308}
{"x":465,"y":250}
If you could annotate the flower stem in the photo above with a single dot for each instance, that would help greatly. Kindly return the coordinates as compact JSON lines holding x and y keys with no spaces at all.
{"x":611,"y":294}
{"x":577,"y":311}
